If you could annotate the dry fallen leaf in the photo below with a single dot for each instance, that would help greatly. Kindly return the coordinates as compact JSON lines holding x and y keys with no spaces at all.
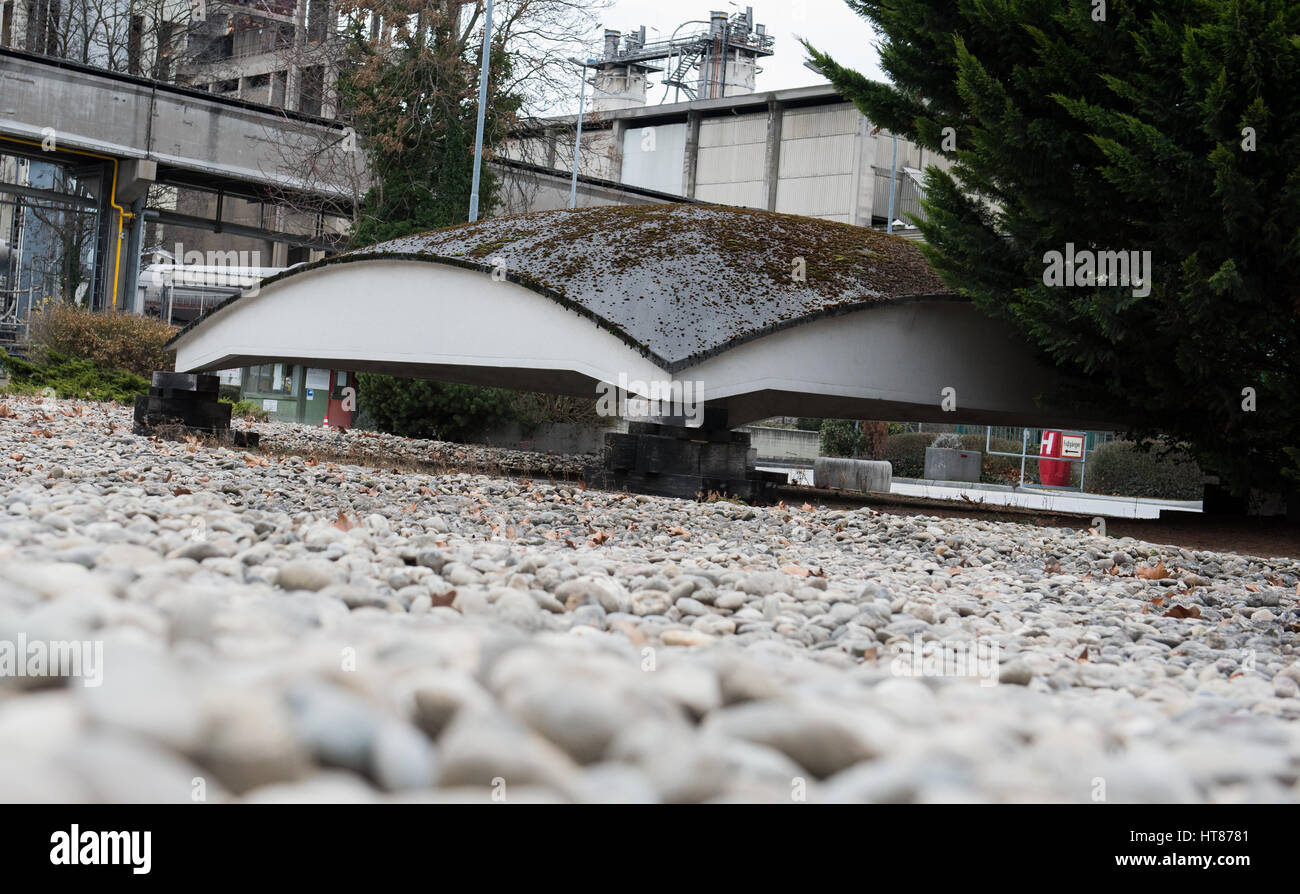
{"x":343,"y":523}
{"x":1083,"y":656}
{"x":16,"y":457}
{"x":179,"y":491}
{"x":1182,"y":611}
{"x":5,"y":412}
{"x":1252,"y":588}
{"x":796,"y":570}
{"x":1156,"y":573}
{"x":444,"y":598}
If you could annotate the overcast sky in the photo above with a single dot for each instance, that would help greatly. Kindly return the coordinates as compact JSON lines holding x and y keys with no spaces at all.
{"x":828,"y":24}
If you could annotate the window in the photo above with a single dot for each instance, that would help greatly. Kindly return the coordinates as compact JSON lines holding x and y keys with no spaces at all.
{"x":6,"y":22}
{"x":340,"y":382}
{"x":318,"y":13}
{"x":43,"y":27}
{"x":273,"y":378}
{"x":312,"y":91}
{"x":259,"y":88}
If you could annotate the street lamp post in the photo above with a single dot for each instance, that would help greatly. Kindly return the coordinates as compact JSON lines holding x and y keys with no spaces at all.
{"x":482,"y":112}
{"x":893,"y":181}
{"x":577,"y":143}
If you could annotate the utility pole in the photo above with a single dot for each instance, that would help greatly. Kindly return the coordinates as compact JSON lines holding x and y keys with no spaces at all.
{"x":482,"y":112}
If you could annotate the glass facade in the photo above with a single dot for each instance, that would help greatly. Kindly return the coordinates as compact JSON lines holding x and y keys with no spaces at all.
{"x":273,"y":378}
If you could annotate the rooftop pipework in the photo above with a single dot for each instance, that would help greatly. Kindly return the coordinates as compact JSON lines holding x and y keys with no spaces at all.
{"x":719,"y":59}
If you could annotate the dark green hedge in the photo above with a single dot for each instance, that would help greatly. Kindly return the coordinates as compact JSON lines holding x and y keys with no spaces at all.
{"x":840,"y":437}
{"x":1122,"y":468}
{"x":416,"y":408}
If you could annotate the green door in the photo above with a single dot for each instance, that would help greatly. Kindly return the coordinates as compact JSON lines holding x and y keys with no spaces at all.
{"x":316,"y":396}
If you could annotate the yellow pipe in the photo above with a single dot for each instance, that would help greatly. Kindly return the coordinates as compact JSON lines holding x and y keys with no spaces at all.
{"x":122,"y":213}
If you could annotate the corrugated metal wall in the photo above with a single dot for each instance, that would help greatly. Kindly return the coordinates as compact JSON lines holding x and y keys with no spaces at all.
{"x":653,"y":157}
{"x":732,"y":157}
{"x":819,"y":161}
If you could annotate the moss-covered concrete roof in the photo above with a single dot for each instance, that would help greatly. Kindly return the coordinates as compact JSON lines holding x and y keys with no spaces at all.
{"x":681,"y":282}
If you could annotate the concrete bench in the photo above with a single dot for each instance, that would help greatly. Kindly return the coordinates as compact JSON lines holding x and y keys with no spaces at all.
{"x":862,"y":475}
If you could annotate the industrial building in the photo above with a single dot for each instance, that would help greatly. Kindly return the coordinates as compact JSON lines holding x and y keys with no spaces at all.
{"x":278,"y":52}
{"x":800,"y":151}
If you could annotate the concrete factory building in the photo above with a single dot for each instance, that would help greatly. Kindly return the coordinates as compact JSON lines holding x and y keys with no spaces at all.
{"x":800,"y":151}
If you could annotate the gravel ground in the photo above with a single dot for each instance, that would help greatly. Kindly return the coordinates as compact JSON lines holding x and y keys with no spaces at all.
{"x":279,"y":626}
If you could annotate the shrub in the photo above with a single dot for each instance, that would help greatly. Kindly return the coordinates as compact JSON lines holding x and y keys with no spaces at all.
{"x":74,"y":377}
{"x":854,"y":438}
{"x":906,"y":453}
{"x":417,"y":408}
{"x":109,"y":340}
{"x":840,"y":437}
{"x":532,"y":410}
{"x":248,"y":409}
{"x":1124,"y":468}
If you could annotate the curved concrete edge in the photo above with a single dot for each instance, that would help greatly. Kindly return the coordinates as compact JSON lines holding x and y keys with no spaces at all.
{"x":454,"y":322}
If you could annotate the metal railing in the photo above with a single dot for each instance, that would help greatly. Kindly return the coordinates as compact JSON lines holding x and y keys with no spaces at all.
{"x":1030,"y":440}
{"x":1024,"y":455}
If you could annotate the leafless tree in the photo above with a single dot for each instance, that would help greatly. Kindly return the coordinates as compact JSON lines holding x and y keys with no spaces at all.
{"x":139,"y":37}
{"x":539,"y":36}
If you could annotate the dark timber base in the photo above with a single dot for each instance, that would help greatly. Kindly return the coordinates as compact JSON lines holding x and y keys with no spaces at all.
{"x":185,"y":399}
{"x":670,"y":460}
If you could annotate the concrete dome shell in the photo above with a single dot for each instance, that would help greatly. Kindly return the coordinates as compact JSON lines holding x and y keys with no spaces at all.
{"x":680,"y":283}
{"x":691,"y":294}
